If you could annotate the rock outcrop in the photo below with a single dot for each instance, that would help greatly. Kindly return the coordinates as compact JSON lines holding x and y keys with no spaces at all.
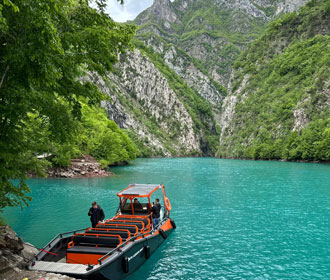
{"x":228,"y":107}
{"x":80,"y":168}
{"x":143,"y":102}
{"x":162,"y":10}
{"x":15,"y":256}
{"x":289,"y":6}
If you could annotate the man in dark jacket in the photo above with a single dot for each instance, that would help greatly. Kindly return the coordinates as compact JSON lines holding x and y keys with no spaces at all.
{"x":96,"y":213}
{"x":155,"y":210}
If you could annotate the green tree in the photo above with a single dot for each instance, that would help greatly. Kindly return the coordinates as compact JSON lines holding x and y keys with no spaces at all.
{"x":45,"y":46}
{"x":103,"y":139}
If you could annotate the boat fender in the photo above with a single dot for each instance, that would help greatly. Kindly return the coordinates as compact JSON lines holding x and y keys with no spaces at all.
{"x":168,"y":204}
{"x":173,"y":224}
{"x":124,"y":263}
{"x":147,"y":251}
{"x":162,"y":233}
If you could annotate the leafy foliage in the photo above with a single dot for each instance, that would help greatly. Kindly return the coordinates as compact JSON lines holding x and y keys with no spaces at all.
{"x":94,"y":135}
{"x":284,"y":112}
{"x":101,"y":138}
{"x":45,"y":46}
{"x":2,"y":221}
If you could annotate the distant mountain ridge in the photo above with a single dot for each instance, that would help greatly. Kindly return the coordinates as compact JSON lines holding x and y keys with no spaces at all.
{"x":211,"y":31}
{"x":193,"y":45}
{"x":278,"y":106}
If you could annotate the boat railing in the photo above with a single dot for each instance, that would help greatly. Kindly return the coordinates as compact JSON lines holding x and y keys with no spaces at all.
{"x":120,"y":246}
{"x":58,"y":236}
{"x":128,"y":241}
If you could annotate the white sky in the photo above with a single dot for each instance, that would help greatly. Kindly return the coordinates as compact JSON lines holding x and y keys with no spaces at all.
{"x":128,"y":11}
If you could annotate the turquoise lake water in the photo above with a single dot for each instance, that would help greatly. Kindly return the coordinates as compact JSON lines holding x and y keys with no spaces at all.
{"x":235,"y":219}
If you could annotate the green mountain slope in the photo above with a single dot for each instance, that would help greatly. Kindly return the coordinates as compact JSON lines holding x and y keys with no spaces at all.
{"x":186,"y":50}
{"x":211,"y":32}
{"x":279,"y":102}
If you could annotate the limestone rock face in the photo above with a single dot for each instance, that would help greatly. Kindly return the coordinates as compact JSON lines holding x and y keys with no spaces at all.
{"x":211,"y":31}
{"x":29,"y":251}
{"x":246,"y":6}
{"x":289,"y":6}
{"x":300,"y":119}
{"x":9,"y":240}
{"x":193,"y":76}
{"x":15,"y":257}
{"x":207,"y":86}
{"x":228,"y":108}
{"x":143,"y":101}
{"x":162,"y":10}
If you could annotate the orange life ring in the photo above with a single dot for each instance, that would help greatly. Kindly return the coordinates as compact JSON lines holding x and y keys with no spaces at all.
{"x":70,"y":244}
{"x":167,"y":204}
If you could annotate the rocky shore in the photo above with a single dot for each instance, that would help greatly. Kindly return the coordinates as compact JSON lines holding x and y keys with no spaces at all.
{"x":15,"y":256}
{"x":85,"y":167}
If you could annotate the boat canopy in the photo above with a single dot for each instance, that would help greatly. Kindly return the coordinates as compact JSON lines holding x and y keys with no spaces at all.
{"x":139,"y":190}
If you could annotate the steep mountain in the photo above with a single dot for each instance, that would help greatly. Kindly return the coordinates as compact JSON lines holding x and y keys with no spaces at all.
{"x":162,"y":114}
{"x":169,"y":92}
{"x":278,"y":105}
{"x":206,"y":34}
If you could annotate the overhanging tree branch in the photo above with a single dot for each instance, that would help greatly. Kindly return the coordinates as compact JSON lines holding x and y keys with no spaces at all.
{"x":3,"y":76}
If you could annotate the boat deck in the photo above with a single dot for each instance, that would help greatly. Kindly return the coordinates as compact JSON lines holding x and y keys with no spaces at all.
{"x":59,"y":267}
{"x":89,"y":246}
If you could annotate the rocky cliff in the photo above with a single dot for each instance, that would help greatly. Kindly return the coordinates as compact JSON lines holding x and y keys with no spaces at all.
{"x":144,"y":103}
{"x":169,"y":93}
{"x":209,"y":34}
{"x":15,"y":256}
{"x":278,"y":101}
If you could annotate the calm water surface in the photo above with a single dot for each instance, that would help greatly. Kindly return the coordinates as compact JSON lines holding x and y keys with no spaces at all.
{"x":235,"y":219}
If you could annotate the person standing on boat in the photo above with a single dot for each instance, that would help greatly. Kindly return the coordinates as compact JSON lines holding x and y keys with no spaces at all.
{"x":155,"y":210}
{"x":96,"y":213}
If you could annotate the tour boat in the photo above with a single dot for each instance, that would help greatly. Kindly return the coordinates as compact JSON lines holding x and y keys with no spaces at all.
{"x":116,"y":247}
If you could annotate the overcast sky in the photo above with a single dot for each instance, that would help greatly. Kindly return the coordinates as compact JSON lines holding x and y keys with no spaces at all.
{"x":128,"y":11}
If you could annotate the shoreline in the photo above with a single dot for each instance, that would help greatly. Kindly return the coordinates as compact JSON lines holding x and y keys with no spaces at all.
{"x":233,"y":158}
{"x":15,"y":256}
{"x":84,"y":167}
{"x":278,"y":160}
{"x":88,"y":167}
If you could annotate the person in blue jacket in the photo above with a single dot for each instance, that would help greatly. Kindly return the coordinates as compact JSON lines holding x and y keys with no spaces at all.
{"x":96,"y":213}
